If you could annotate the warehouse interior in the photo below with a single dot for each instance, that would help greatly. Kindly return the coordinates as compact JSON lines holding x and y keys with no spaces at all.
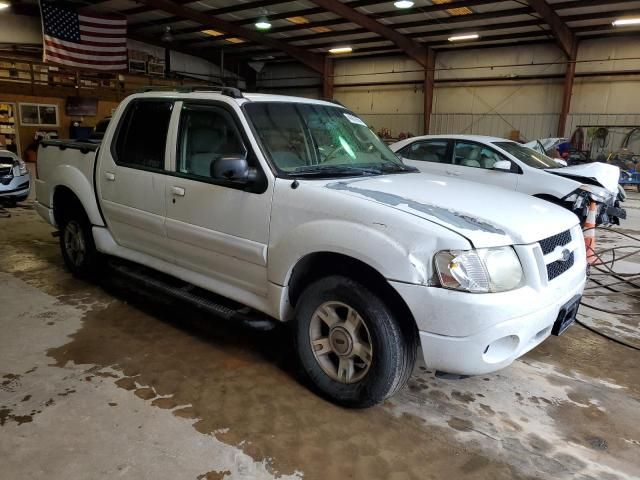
{"x":104,"y":380}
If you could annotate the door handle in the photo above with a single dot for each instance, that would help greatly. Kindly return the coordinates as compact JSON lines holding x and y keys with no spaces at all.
{"x":177,"y":191}
{"x":452,"y":173}
{"x":109,"y":177}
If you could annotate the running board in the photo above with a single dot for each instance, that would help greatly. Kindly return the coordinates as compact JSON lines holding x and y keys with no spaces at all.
{"x":195,"y":296}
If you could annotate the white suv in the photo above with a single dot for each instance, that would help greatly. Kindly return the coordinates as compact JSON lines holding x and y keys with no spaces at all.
{"x":294,"y":208}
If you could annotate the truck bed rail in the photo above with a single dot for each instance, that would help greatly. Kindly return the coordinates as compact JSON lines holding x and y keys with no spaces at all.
{"x":84,"y":147}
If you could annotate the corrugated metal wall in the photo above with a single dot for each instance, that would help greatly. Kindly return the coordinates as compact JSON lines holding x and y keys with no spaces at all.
{"x":531,"y":126}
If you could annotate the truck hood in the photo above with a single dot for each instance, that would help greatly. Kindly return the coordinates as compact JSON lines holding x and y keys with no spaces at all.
{"x":486,"y":216}
{"x":597,"y":173}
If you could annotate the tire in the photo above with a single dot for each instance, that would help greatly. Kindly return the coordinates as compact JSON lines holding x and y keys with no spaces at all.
{"x":77,"y":245}
{"x":354,"y":367}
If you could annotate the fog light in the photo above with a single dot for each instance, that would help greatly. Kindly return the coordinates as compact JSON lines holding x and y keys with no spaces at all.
{"x":501,"y":349}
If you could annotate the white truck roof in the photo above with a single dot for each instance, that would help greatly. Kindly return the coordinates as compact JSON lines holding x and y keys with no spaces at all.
{"x":218,"y":95}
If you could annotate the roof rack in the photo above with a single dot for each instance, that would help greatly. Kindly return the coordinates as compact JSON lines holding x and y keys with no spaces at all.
{"x":228,"y":91}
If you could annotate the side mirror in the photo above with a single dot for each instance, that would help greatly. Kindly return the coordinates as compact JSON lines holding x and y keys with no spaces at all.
{"x":233,"y":169}
{"x":502,"y":165}
{"x":561,"y":162}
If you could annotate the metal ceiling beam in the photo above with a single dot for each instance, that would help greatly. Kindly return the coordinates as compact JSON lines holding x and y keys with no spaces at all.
{"x":412,"y":49}
{"x":563,"y":34}
{"x":212,"y":11}
{"x":312,"y":60}
{"x":353,"y":4}
{"x":144,"y":9}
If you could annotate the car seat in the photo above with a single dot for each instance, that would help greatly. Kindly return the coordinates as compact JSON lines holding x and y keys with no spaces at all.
{"x":204,"y":145}
{"x":470,"y":158}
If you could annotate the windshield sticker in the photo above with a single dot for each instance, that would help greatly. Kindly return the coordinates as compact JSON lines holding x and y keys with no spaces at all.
{"x":354,"y":119}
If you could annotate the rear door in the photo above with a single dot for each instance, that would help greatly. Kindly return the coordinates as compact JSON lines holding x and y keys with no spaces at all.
{"x":474,"y":161}
{"x":215,"y":227}
{"x":131,"y":177}
{"x":430,"y":156}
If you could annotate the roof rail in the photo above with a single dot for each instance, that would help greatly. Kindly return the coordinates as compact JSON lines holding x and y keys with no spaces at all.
{"x":227,"y":91}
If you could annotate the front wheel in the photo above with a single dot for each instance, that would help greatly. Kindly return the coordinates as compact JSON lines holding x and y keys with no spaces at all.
{"x":350,"y":344}
{"x":77,"y":246}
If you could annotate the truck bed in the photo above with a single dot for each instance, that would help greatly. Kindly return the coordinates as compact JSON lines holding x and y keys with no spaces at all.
{"x":65,"y":163}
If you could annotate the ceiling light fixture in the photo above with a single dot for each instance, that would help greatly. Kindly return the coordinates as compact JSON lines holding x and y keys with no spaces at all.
{"x":339,"y":50}
{"x":625,"y":22}
{"x":468,"y":36}
{"x":263,"y":24}
{"x":167,"y":36}
{"x":403,"y":4}
{"x":4,"y":5}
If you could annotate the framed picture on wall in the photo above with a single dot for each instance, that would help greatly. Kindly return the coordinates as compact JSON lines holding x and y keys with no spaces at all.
{"x":37,"y":114}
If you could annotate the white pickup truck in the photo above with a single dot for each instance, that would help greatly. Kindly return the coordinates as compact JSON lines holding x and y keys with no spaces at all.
{"x":295,"y":209}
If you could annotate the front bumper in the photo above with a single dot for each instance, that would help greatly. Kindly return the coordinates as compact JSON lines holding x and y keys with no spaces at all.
{"x":473,"y":334}
{"x":16,"y":187}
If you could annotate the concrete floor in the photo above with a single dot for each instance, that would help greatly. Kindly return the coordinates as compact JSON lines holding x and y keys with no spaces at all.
{"x":100,"y":383}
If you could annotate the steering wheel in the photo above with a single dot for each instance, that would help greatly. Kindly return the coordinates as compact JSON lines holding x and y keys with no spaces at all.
{"x":332,"y":153}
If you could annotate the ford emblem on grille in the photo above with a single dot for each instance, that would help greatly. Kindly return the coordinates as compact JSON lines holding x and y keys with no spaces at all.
{"x":565,"y":256}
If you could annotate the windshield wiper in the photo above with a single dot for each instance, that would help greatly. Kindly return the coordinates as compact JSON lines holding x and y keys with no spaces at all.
{"x":397,"y":167}
{"x":337,"y":170}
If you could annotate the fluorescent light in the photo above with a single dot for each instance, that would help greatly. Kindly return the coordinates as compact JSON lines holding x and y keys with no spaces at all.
{"x":341,"y":50}
{"x":624,"y":22}
{"x":4,"y":5}
{"x":469,"y":36}
{"x":212,"y":33}
{"x":298,"y":20}
{"x":403,"y":4}
{"x":263,"y":25}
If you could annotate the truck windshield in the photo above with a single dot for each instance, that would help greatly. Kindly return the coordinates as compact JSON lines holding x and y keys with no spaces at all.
{"x":310,"y":139}
{"x":530,"y":157}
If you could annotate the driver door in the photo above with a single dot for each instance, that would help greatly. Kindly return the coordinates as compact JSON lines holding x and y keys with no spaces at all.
{"x":215,"y":227}
{"x":429,"y":156}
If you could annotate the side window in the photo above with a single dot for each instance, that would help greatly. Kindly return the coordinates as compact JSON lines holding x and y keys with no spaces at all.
{"x":427,"y":151}
{"x":206,"y":134}
{"x":475,"y":155}
{"x":142,"y":136}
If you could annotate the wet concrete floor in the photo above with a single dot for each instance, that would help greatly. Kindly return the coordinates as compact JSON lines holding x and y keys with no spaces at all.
{"x":99,"y":381}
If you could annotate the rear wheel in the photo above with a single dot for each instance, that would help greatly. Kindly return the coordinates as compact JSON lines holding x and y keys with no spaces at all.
{"x":77,"y":245}
{"x":350,"y":344}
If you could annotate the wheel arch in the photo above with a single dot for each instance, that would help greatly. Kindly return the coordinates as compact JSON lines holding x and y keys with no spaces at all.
{"x":64,"y":199}
{"x":314,"y":266}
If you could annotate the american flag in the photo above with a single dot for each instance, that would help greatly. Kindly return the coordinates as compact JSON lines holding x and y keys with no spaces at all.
{"x":83,"y":40}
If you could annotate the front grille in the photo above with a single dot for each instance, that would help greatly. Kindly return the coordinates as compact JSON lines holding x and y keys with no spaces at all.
{"x":558,"y":267}
{"x":549,"y":244}
{"x":5,"y":170}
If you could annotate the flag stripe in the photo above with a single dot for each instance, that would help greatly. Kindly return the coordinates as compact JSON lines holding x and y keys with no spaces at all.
{"x":101,"y":39}
{"x":108,"y":31}
{"x":58,"y":57}
{"x":84,"y":56}
{"x":102,"y":20}
{"x":84,"y":48}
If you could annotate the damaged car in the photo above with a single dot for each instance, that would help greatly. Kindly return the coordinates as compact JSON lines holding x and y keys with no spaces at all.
{"x":510,"y":165}
{"x":15,"y":179}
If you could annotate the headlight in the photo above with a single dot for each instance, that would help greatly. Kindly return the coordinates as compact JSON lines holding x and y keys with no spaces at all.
{"x":597,"y":194}
{"x":20,"y":168}
{"x":480,"y":271}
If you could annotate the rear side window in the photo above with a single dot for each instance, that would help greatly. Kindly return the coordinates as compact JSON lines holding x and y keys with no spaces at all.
{"x":142,"y":135}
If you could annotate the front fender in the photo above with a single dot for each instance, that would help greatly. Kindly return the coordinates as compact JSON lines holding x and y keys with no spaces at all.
{"x":367,"y":243}
{"x":76,"y":181}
